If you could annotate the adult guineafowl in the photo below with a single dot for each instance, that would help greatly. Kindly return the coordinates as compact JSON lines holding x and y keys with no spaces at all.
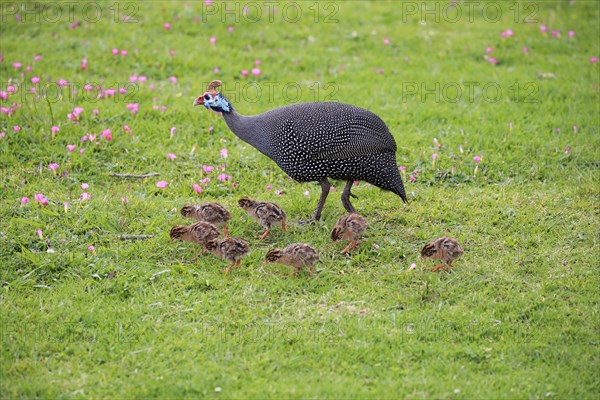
{"x":317,"y":141}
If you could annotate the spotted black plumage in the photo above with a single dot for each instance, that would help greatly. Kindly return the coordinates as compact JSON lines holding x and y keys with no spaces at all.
{"x":317,"y":141}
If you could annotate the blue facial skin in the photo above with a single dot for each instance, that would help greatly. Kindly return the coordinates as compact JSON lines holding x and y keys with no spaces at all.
{"x":216,"y":102}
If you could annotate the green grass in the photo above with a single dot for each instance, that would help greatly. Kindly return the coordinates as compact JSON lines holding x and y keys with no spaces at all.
{"x":516,"y":318}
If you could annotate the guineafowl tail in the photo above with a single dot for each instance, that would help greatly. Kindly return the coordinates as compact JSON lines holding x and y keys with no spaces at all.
{"x":398,"y":188}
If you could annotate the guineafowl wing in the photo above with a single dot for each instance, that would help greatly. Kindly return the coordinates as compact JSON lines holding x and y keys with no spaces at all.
{"x":329,"y":131}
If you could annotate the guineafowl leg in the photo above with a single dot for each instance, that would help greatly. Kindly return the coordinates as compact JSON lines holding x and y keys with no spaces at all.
{"x":346,"y":197}
{"x":325,"y":185}
{"x":264,"y":235}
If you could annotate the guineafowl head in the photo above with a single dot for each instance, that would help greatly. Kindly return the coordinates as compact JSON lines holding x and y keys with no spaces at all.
{"x":177,"y":232}
{"x":273,"y":256}
{"x":213,"y":100}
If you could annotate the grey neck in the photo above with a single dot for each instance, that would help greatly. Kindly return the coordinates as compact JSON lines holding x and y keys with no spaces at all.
{"x":248,"y":128}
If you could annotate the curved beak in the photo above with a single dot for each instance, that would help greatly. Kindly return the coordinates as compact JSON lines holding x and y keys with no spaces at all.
{"x":199,"y":101}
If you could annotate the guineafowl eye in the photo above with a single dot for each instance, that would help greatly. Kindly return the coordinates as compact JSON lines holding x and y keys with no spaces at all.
{"x":206,"y":97}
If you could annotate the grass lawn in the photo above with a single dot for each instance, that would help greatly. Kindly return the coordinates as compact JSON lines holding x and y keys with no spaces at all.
{"x":495,"y":109}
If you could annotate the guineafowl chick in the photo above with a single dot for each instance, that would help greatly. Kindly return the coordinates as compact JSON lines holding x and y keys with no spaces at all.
{"x":230,"y":249}
{"x":315,"y":142}
{"x":297,"y":255}
{"x":213,"y":213}
{"x":200,"y":232}
{"x":349,"y":227}
{"x":266,"y":213}
{"x":445,"y":249}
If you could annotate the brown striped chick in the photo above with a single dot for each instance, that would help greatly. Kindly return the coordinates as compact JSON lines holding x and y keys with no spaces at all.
{"x":445,"y":249}
{"x":200,"y":232}
{"x":349,"y":227}
{"x":213,"y":213}
{"x":297,"y":255}
{"x":266,"y":213}
{"x":230,"y":249}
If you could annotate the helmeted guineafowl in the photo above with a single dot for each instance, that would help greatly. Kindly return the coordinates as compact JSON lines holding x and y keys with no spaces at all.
{"x":316,"y":141}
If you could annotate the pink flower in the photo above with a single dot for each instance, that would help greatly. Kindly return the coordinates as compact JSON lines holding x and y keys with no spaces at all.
{"x":16,"y":65}
{"x":222,"y":177}
{"x":197,"y":188}
{"x":488,"y":49}
{"x":492,"y":60}
{"x":244,"y":73}
{"x":127,"y":129}
{"x":211,"y":128}
{"x":16,"y":128}
{"x":124,"y":200}
{"x":24,"y":200}
{"x":3,"y":95}
{"x":575,"y":128}
{"x":412,"y":178}
{"x":172,"y":53}
{"x":84,"y":63}
{"x":53,"y":166}
{"x":375,"y":246}
{"x":84,"y":186}
{"x":40,"y":198}
{"x":106,"y":135}
{"x":555,"y":33}
{"x":91,"y":248}
{"x":167,"y":26}
{"x":543,"y":28}
{"x":37,"y":58}
{"x":525,"y":50}
{"x":39,"y":233}
{"x":173,"y":130}
{"x":224,"y":153}
{"x":386,"y":41}
{"x":204,"y":181}
{"x":279,"y":192}
{"x":412,"y":266}
{"x":307,"y":193}
{"x":162,"y":184}
{"x":55,"y":129}
{"x":35,"y":79}
{"x":85,"y":196}
{"x":571,"y":33}
{"x":568,"y":150}
{"x":269,"y":187}
{"x":477,"y":159}
{"x":207,"y":168}
{"x":133,"y":107}
{"x":81,"y":151}
{"x":123,"y":53}
{"x":213,"y":40}
{"x":173,"y":79}
{"x":402,"y":168}
{"x":115,"y":51}
{"x":594,"y":60}
{"x":71,"y":147}
{"x":230,"y":29}
{"x":256,"y":62}
{"x":142,"y":78}
{"x":171,"y":156}
{"x":256,"y":72}
{"x":434,"y":156}
{"x":216,"y":70}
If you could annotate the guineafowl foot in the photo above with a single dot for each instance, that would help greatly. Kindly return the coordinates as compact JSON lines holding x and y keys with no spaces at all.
{"x":346,"y":194}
